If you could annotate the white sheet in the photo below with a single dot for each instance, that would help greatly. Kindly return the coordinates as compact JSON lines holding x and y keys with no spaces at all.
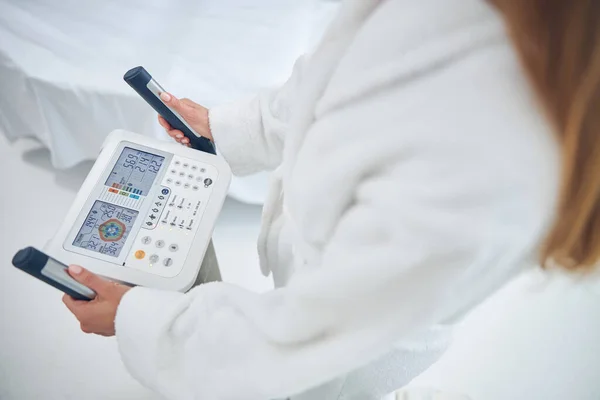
{"x":61,"y":63}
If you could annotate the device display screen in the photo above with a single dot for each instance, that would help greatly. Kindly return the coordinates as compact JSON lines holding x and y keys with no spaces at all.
{"x":106,"y":228}
{"x":135,"y":171}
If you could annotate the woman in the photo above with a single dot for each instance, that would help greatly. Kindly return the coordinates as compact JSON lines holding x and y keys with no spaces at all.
{"x":422,"y":157}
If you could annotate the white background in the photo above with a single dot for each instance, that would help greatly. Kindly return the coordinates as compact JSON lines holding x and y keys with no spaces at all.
{"x":539,"y":338}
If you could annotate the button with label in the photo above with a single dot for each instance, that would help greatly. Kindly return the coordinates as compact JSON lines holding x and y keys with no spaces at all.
{"x":194,"y":167}
{"x":153,"y":258}
{"x":160,"y":244}
{"x":190,"y":176}
{"x":169,"y":180}
{"x":185,"y":165}
{"x":178,"y":183}
{"x":182,"y":174}
{"x":146,"y":239}
{"x":173,"y":171}
{"x":140,"y":254}
{"x":165,"y":191}
{"x":195,"y":187}
{"x":167,"y":262}
{"x":173,"y":247}
{"x":177,"y":162}
{"x":202,"y":170}
{"x":187,"y":185}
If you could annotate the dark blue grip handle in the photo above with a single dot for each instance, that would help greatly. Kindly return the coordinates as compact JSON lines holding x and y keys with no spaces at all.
{"x":62,"y":288}
{"x":138,"y":79}
{"x":33,"y":261}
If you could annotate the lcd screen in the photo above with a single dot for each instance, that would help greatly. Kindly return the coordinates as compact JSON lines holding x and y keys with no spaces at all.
{"x":106,"y":228}
{"x":135,"y":171}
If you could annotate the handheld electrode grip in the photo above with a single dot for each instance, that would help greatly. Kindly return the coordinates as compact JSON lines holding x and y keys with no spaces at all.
{"x":49,"y":270}
{"x":143,"y":83}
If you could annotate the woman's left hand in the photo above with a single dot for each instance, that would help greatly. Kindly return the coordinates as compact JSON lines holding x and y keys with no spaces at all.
{"x":98,"y":315}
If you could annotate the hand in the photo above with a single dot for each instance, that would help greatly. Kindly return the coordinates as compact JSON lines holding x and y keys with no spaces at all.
{"x":98,"y":315}
{"x":194,"y":114}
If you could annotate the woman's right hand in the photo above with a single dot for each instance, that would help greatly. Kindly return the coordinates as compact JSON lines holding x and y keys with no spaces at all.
{"x":194,"y":114}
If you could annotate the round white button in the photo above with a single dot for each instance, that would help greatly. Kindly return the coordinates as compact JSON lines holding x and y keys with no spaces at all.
{"x":169,"y":180}
{"x":194,"y":167}
{"x":187,"y":185}
{"x":195,"y":187}
{"x":190,"y":176}
{"x":182,"y":174}
{"x":167,"y":262}
{"x":178,"y":183}
{"x":173,"y":247}
{"x":173,"y":171}
{"x":185,"y":165}
{"x":202,"y":170}
{"x":177,"y":163}
{"x":153,"y":258}
{"x":199,"y":179}
{"x":146,"y":239}
{"x":160,"y":243}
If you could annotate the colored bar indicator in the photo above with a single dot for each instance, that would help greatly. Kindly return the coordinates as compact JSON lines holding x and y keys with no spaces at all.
{"x":134,"y":196}
{"x":113,"y":190}
{"x":124,"y":193}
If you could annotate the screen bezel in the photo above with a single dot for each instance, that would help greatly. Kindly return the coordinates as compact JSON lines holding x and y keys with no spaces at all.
{"x":100,"y":188}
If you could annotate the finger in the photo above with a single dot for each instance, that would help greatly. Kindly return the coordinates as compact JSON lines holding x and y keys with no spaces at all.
{"x":180,"y":137}
{"x":89,"y":279}
{"x":185,"y":140}
{"x":163,"y":122}
{"x":175,"y":134}
{"x":171,"y":101}
{"x":73,"y":305}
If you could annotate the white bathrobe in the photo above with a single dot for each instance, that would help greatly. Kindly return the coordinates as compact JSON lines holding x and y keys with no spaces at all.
{"x":414,"y":174}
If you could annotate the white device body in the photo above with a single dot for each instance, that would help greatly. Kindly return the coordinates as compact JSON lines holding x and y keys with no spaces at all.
{"x":148,"y":228}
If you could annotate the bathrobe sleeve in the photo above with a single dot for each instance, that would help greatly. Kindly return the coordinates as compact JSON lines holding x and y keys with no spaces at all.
{"x":250,"y":133}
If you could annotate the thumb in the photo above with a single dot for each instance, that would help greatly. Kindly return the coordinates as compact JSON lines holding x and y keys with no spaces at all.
{"x":89,"y":279}
{"x":174,"y":103}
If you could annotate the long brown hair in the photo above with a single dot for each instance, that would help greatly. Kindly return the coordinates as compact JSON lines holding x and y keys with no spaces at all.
{"x":559,"y":44}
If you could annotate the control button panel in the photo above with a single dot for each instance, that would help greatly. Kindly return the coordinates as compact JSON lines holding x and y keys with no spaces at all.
{"x":173,"y":218}
{"x":156,"y":208}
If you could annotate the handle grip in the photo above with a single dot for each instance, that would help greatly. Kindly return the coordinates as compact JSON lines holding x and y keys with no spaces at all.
{"x":51,"y":271}
{"x":143,"y":83}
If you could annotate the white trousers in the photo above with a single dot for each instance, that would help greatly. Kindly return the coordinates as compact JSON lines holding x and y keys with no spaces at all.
{"x":377,"y":380}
